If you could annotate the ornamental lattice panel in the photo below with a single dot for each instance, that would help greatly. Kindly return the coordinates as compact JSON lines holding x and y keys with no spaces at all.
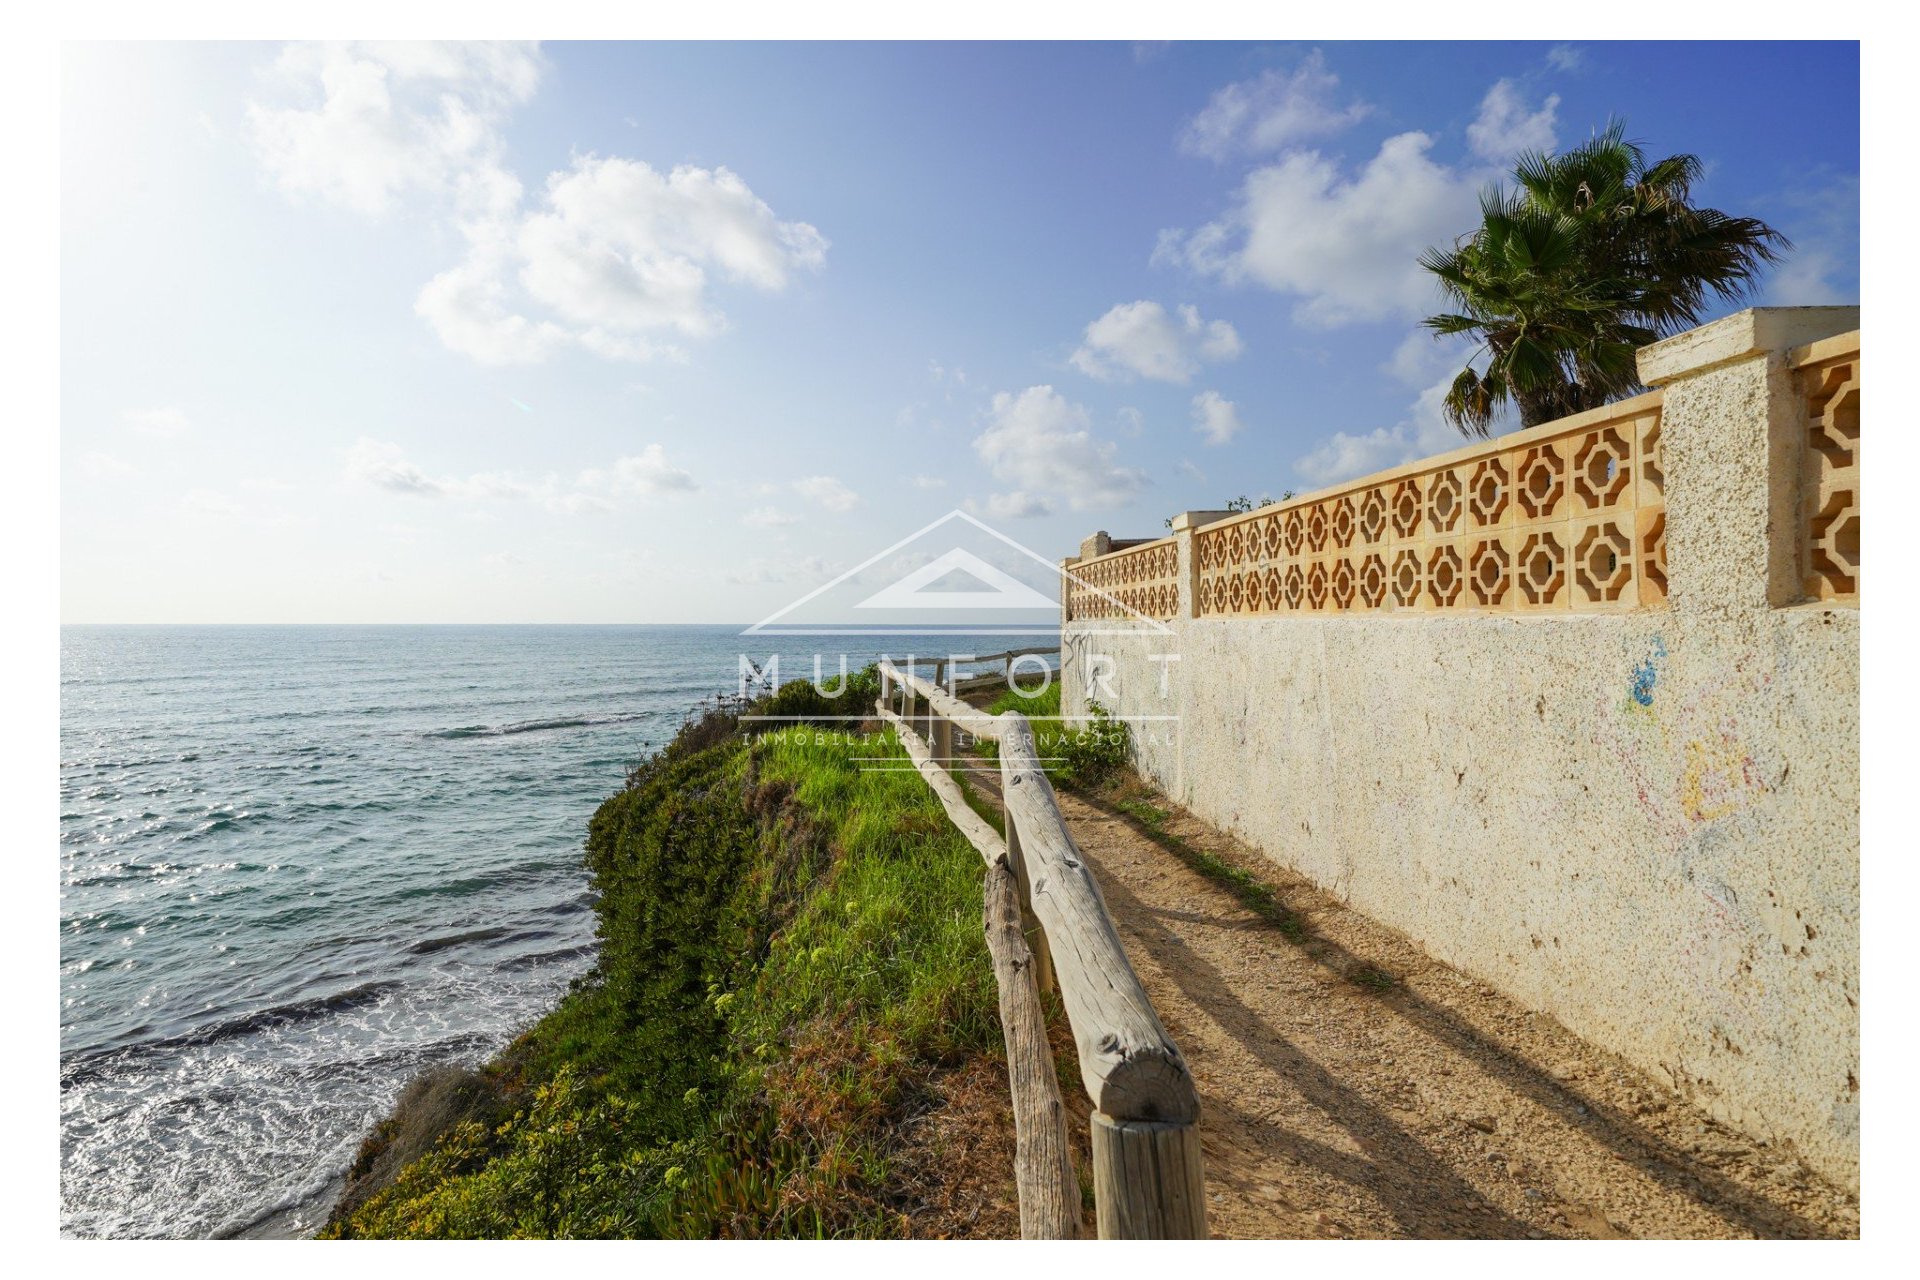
{"x":1566,"y":517}
{"x":1138,"y":581}
{"x":1830,"y":470}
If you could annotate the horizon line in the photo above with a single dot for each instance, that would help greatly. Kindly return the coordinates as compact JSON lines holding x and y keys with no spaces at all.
{"x":872,"y":629}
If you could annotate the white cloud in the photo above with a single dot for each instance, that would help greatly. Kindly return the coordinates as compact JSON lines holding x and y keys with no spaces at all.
{"x":828,"y":492}
{"x":385,"y":465}
{"x":1039,"y":442}
{"x":623,"y":258}
{"x":164,"y":423}
{"x":928,"y":482}
{"x":1017,"y":505}
{"x":1191,"y":471}
{"x":1420,"y":357}
{"x":1347,"y":241}
{"x":1139,"y":339}
{"x":1271,"y":111}
{"x":381,"y":121}
{"x":639,"y":475}
{"x":1505,"y":127}
{"x":1823,"y":267}
{"x":1810,"y":278}
{"x":1566,"y":57}
{"x":611,"y":256}
{"x":1422,"y":433}
{"x":768,"y":518}
{"x":470,"y":308}
{"x":1347,"y":244}
{"x":623,"y":246}
{"x":1215,"y":417}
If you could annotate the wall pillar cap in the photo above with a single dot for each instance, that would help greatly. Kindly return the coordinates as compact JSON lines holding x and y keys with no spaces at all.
{"x":1755,"y":331}
{"x":1194,"y":519}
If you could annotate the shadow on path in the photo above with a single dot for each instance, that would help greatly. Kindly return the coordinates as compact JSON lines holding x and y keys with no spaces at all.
{"x":1738,"y":1206}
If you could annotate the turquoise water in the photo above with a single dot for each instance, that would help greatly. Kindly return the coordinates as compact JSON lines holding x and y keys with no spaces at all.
{"x":300,"y":864}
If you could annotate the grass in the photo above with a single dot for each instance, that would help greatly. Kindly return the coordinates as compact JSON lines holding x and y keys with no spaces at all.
{"x":1042,"y":705}
{"x":790,"y":947}
{"x":1086,"y":753}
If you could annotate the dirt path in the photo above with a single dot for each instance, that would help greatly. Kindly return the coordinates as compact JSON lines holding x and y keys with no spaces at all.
{"x":1335,"y":1104}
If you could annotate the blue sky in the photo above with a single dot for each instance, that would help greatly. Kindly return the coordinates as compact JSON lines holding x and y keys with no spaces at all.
{"x":676,"y":332}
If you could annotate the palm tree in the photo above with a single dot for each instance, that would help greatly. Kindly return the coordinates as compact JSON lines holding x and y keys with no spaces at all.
{"x":1592,"y":255}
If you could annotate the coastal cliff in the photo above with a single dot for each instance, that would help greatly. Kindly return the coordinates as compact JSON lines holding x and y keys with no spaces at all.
{"x":789,"y":1031}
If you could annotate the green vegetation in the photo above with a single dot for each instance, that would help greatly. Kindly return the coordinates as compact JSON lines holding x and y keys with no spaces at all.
{"x":1373,"y":979}
{"x":1593,"y":254}
{"x":1079,"y":753}
{"x":790,"y":945}
{"x":1044,"y":705}
{"x":1244,"y":503}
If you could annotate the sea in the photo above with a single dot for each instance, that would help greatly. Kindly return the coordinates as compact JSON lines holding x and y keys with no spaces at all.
{"x":299,"y":865}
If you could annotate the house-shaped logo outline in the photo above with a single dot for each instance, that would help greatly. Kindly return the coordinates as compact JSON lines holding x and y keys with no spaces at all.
{"x":768,"y":626}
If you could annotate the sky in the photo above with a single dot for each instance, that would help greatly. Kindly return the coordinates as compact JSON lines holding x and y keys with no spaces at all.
{"x":676,"y":333}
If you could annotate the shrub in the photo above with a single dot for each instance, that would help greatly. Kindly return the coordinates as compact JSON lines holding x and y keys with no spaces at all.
{"x":1077,"y":753}
{"x":1091,"y":751}
{"x":800,"y":700}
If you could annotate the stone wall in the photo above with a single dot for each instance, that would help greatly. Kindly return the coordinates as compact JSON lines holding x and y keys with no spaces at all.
{"x":1633,"y":807}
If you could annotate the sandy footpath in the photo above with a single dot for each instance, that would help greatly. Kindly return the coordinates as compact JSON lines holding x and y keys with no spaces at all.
{"x":1425,"y":1107}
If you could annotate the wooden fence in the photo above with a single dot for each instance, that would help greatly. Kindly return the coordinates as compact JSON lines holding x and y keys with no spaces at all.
{"x":1048,"y":929}
{"x":979,"y":680}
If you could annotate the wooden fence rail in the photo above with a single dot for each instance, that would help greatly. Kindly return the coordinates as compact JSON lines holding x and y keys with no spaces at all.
{"x":1147,"y":1174}
{"x":982,"y":679}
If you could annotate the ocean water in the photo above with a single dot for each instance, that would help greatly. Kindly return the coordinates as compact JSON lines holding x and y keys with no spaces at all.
{"x":300,"y":864}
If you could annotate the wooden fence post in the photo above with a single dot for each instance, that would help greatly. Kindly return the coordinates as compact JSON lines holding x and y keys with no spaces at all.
{"x":1030,"y":924}
{"x":1049,"y":1194}
{"x":939,"y":730}
{"x":1147,"y":1180}
{"x":1043,"y":1162}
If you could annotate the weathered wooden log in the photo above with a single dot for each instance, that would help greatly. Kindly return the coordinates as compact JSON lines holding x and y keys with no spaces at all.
{"x":972,"y":719}
{"x":1043,"y":1160}
{"x":973,"y":684}
{"x":1036,"y":936}
{"x":1043,"y":1164}
{"x":1147,"y":1180}
{"x":978,"y":831}
{"x":1129,"y":1064}
{"x":1011,"y":654}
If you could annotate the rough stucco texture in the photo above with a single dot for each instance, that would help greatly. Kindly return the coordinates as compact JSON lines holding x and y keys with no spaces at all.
{"x":1645,"y":824}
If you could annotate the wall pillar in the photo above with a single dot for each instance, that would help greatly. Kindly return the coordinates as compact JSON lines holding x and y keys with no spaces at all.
{"x":1187,"y":575}
{"x":1732,"y":434}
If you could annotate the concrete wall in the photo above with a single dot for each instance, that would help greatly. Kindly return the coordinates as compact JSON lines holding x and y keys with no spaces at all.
{"x":1644,"y":823}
